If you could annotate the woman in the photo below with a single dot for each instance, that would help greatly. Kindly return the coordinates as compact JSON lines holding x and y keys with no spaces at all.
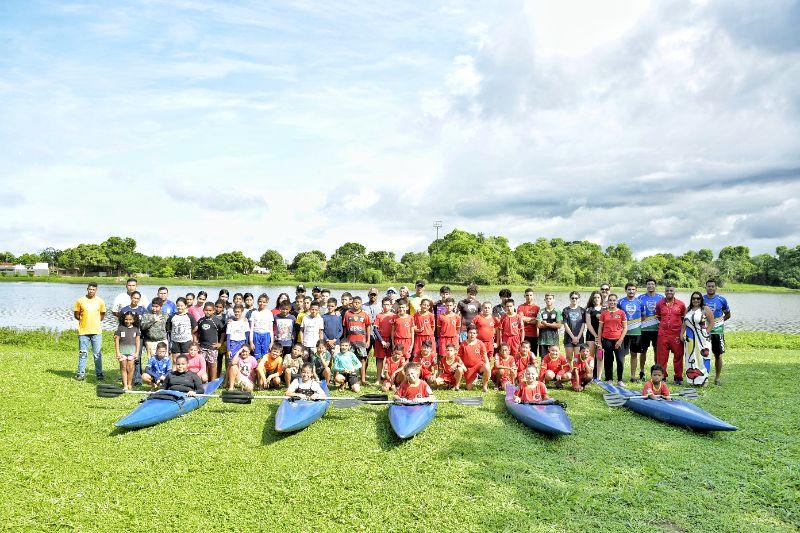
{"x":612,"y":330}
{"x":697,"y":322}
{"x":574,"y":325}
{"x":196,"y":310}
{"x":224,"y":295}
{"x":594,"y":307}
{"x":282,"y":297}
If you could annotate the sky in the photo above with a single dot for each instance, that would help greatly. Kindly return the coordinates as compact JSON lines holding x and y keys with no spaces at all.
{"x":198,"y":127}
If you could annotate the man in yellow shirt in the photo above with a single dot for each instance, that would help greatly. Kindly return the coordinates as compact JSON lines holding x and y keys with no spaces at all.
{"x":89,"y":311}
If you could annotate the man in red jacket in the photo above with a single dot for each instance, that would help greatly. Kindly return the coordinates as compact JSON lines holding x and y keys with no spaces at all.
{"x":670,"y":313}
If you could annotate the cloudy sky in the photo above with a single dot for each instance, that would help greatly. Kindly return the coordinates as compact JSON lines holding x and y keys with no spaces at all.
{"x":198,"y":127}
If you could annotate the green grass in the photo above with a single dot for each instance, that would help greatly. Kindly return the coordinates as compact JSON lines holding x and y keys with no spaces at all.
{"x":473,"y":469}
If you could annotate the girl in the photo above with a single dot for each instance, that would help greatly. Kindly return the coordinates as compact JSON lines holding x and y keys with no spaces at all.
{"x":613,"y":326}
{"x":197,"y":363}
{"x":574,"y":325}
{"x":594,"y":307}
{"x":305,"y":386}
{"x":197,"y":309}
{"x":127,"y":342}
{"x":282,"y":297}
{"x":249,"y":300}
{"x":183,"y":327}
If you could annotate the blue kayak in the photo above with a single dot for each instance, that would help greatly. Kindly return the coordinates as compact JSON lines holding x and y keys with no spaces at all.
{"x":408,"y":420}
{"x":545,"y":418}
{"x":294,"y":415}
{"x":169,"y":405}
{"x":677,"y":412}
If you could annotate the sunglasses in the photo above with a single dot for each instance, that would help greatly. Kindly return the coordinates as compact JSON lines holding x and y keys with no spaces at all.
{"x":605,"y":289}
{"x":573,"y":298}
{"x":696,"y":298}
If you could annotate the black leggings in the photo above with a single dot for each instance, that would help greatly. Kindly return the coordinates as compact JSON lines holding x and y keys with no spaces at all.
{"x":608,"y":361}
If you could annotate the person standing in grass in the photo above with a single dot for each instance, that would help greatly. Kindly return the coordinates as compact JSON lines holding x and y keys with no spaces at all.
{"x":649,"y":336}
{"x":124,"y":298}
{"x":448,"y":326}
{"x":424,"y":325}
{"x":549,"y":322}
{"x":358,"y":329}
{"x":699,"y":319}
{"x":138,"y":311}
{"x":89,"y":311}
{"x":670,"y":312}
{"x":634,"y":311}
{"x":403,"y":328}
{"x":198,"y":309}
{"x":574,"y":325}
{"x":209,"y":335}
{"x":722,"y":313}
{"x":468,"y":308}
{"x":183,"y":329}
{"x":612,"y":329}
{"x":594,"y":306}
{"x":415,"y":301}
{"x":154,"y":327}
{"x":529,"y":311}
{"x":486,"y":325}
{"x":167,"y":305}
{"x":127,"y":342}
{"x":261,"y":327}
{"x":512,"y":328}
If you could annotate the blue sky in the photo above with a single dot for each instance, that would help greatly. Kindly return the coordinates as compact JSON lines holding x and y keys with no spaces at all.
{"x":201,"y":127}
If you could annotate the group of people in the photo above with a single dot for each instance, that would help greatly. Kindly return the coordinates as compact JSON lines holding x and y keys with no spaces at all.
{"x":417,"y":342}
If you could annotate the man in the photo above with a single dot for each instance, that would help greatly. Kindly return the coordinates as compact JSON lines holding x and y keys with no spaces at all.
{"x":500,"y":309}
{"x":634,"y":310}
{"x":469,"y":308}
{"x":529,"y":311}
{"x":649,"y":336}
{"x":124,"y":298}
{"x":419,"y":295}
{"x":722,"y":313}
{"x":89,"y":311}
{"x":167,"y":305}
{"x":670,"y":312}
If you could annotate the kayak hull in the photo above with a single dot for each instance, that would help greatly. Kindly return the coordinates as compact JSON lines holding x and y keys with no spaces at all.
{"x":299,"y":414}
{"x":676,"y":412}
{"x":548,"y":419}
{"x":155,"y":411}
{"x":408,"y":420}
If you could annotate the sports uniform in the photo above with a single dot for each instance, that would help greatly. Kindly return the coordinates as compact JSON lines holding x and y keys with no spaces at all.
{"x":532,"y":394}
{"x":634,"y":310}
{"x":580,"y":371}
{"x":447,"y":371}
{"x":511,"y":331}
{"x":531,"y":328}
{"x":719,"y":306}
{"x":662,"y":389}
{"x":390,"y":366}
{"x":414,"y":392}
{"x":486,"y":330}
{"x":262,"y":324}
{"x":424,"y":325}
{"x":472,"y":355}
{"x":558,"y":365}
{"x":356,"y":327}
{"x":403,"y":332}
{"x":448,"y":326}
{"x":383,"y":332}
{"x":670,"y":317}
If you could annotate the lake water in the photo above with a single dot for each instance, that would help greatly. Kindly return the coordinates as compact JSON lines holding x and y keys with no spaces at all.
{"x":27,"y":305}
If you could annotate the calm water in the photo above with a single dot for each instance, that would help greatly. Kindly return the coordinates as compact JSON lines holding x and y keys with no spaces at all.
{"x":28,"y":305}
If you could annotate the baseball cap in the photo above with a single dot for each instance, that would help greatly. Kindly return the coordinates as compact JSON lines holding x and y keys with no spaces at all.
{"x":300,"y":288}
{"x":391,"y":289}
{"x":419,"y":283}
{"x":372,"y":290}
{"x":317,"y":288}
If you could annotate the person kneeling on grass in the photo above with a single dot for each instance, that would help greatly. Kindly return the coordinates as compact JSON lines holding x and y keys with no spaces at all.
{"x":413,"y":388}
{"x":526,"y":358}
{"x":427,"y":362}
{"x":306,"y":387}
{"x":268,"y":371}
{"x":505,"y":367}
{"x":158,"y":366}
{"x":451,"y":369}
{"x":656,"y":386}
{"x":555,"y":367}
{"x":582,"y":368}
{"x":183,"y":380}
{"x":346,"y":367}
{"x":197,"y":362}
{"x":241,"y":369}
{"x":321,"y":361}
{"x":292,"y":363}
{"x":392,"y":369}
{"x":530,"y":390}
{"x":474,"y":356}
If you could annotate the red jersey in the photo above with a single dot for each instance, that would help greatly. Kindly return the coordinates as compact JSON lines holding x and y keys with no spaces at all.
{"x":486,"y":327}
{"x":529,"y":311}
{"x":472,"y":354}
{"x":612,"y":323}
{"x":383,"y":323}
{"x":509,"y":362}
{"x":582,"y":367}
{"x":355,"y":326}
{"x":511,"y":327}
{"x":661,"y":390}
{"x":413,"y":392}
{"x":427,"y":365}
{"x":532,"y":394}
{"x":524,"y":360}
{"x":403,"y":326}
{"x":558,"y":365}
{"x":424,"y":324}
{"x":390,"y":366}
{"x":670,"y":316}
{"x":449,"y":325}
{"x":448,"y":368}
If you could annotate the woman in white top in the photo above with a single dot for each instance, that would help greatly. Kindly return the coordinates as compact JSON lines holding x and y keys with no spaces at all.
{"x":697,"y":322}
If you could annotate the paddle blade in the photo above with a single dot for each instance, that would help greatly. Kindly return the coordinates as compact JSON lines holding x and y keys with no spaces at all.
{"x":471,"y":402}
{"x":689,"y":394}
{"x":107,"y":390}
{"x":614,"y":400}
{"x":236,"y":396}
{"x":346,"y":403}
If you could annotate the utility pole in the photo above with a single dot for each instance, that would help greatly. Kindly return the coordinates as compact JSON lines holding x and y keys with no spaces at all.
{"x":437,"y":224}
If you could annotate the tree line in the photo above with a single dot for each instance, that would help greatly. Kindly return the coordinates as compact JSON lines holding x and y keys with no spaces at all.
{"x":458,"y":257}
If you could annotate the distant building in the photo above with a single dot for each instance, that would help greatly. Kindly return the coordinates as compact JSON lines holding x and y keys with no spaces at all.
{"x":260,"y":270}
{"x":20,"y":270}
{"x":41,"y":269}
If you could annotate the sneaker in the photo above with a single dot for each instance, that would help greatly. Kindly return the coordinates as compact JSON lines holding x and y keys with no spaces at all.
{"x":717,"y":382}
{"x":80,"y":377}
{"x":634,"y":380}
{"x":678,"y":382}
{"x":641,"y":376}
{"x":620,"y":384}
{"x":101,"y":377}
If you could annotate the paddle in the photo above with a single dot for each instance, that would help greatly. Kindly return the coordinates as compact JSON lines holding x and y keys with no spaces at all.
{"x":107,"y":390}
{"x":244,"y":398}
{"x":470,"y":402}
{"x":618,"y":400}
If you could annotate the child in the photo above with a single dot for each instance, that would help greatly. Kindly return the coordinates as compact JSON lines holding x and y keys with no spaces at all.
{"x":526,"y":358}
{"x":182,"y":327}
{"x":392,"y":374}
{"x":261,"y":325}
{"x":305,"y":387}
{"x":383,"y":334}
{"x":555,"y":367}
{"x":347,"y":299}
{"x":449,"y":324}
{"x":333,"y":329}
{"x":127,"y":342}
{"x":424,"y":325}
{"x":321,"y":361}
{"x":346,"y":366}
{"x":158,"y":366}
{"x":403,"y":328}
{"x":427,"y":362}
{"x":505,"y":367}
{"x":487,"y":327}
{"x":357,"y":327}
{"x":530,"y":391}
{"x":182,"y":380}
{"x":248,"y":304}
{"x":221,"y":312}
{"x":197,"y":363}
{"x":656,"y":386}
{"x":451,"y":369}
{"x":549,"y":322}
{"x":582,"y":368}
{"x":209,"y":331}
{"x":242,"y":367}
{"x":311,"y":328}
{"x":512,"y":328}
{"x":284,"y":328}
{"x":154,"y":327}
{"x":413,"y":388}
{"x":236,"y":333}
{"x":475,"y":359}
{"x":268,"y":371}
{"x":292,"y":363}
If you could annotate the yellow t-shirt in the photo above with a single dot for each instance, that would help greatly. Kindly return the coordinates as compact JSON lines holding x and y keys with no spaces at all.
{"x":89,"y":310}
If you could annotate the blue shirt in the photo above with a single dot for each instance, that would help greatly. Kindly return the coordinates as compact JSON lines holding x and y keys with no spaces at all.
{"x":332,"y":328}
{"x":718,"y":305}
{"x":167,"y":307}
{"x":649,"y":318}
{"x":346,"y":362}
{"x":159,"y":367}
{"x":634,"y":310}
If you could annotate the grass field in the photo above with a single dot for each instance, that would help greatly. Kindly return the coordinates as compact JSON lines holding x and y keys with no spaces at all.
{"x":472,"y":469}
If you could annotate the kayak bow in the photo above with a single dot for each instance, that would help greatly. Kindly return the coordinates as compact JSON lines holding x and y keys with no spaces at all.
{"x":294,"y":415}
{"x":153,"y":411}
{"x":408,"y":420}
{"x":550,"y":419}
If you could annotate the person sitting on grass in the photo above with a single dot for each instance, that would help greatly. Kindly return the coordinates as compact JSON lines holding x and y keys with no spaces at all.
{"x":555,"y":367}
{"x":451,"y":369}
{"x":392,"y":370}
{"x":127,"y":342}
{"x":241,"y":369}
{"x":292,"y":363}
{"x":526,"y":357}
{"x":197,"y":363}
{"x":183,"y":380}
{"x":413,"y":388}
{"x":346,"y":367}
{"x":505,"y":368}
{"x":530,"y":390}
{"x":582,"y":367}
{"x":321,"y":361}
{"x":158,"y":366}
{"x":306,"y":387}
{"x":427,"y":361}
{"x":268,"y":371}
{"x":656,"y":387}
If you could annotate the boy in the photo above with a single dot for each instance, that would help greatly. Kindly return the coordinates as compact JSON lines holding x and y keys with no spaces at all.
{"x":383,"y":334}
{"x":525,"y":359}
{"x":345,"y":367}
{"x":127,"y":342}
{"x":261,"y":326}
{"x":284,"y":328}
{"x":529,"y":311}
{"x":451,"y":369}
{"x":347,"y":299}
{"x":555,"y":367}
{"x":197,"y":363}
{"x":403,"y":328}
{"x":305,"y":387}
{"x":182,"y":380}
{"x":487,"y":327}
{"x":236,"y":333}
{"x":473,"y":355}
{"x":424,"y":325}
{"x":427,"y":362}
{"x":413,"y":389}
{"x":241,"y":369}
{"x":448,"y":325}
{"x":158,"y":366}
{"x":505,"y":367}
{"x":268,"y":371}
{"x":530,"y":391}
{"x":392,"y":374}
{"x":582,"y":368}
{"x":656,"y":386}
{"x":549,"y":322}
{"x":154,"y":327}
{"x":332,"y":330}
{"x":311,"y":329}
{"x":512,"y":328}
{"x":634,"y":311}
{"x":292,"y":363}
{"x":357,"y":329}
{"x":321,"y":361}
{"x":209,"y":332}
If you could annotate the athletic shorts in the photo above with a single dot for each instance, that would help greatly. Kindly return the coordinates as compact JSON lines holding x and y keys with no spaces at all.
{"x":590,"y":337}
{"x":261,"y":341}
{"x":181,"y":347}
{"x":350,"y":378}
{"x":381,"y":352}
{"x":359,"y":350}
{"x":717,"y":343}
{"x":233,"y":348}
{"x":648,"y":339}
{"x":210,"y":355}
{"x":631,"y":343}
{"x":568,"y":342}
{"x":406,"y":344}
{"x":127,"y":356}
{"x":444,"y":341}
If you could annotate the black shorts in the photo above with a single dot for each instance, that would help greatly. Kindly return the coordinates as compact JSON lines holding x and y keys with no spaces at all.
{"x":350,"y":378}
{"x":181,"y":347}
{"x":717,"y":343}
{"x":568,"y":342}
{"x":631,"y":344}
{"x":648,"y":338}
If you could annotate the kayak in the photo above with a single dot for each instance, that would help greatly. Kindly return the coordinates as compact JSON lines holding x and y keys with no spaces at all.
{"x":550,"y":419}
{"x":408,"y":420}
{"x":167,"y":405}
{"x":676,"y":412}
{"x":294,"y":415}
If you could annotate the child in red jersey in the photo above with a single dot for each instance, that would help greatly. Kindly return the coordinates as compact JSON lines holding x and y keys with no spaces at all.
{"x":448,"y":325}
{"x":505,"y":367}
{"x":424,"y":325}
{"x":473,"y":355}
{"x":383,"y":334}
{"x":656,"y":386}
{"x":393,"y":375}
{"x":413,"y":389}
{"x":403,"y":328}
{"x":555,"y":367}
{"x":512,"y":328}
{"x":525,"y":359}
{"x":427,"y":362}
{"x":582,"y":368}
{"x":530,"y":390}
{"x":487,"y":326}
{"x":451,"y":369}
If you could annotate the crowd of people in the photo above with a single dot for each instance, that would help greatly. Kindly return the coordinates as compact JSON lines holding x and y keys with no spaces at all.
{"x":418,"y":342}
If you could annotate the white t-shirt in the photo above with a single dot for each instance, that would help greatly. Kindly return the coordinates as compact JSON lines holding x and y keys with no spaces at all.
{"x":311,"y":328}
{"x":261,"y":321}
{"x":124,"y":299}
{"x":313,"y":385}
{"x":237,"y":328}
